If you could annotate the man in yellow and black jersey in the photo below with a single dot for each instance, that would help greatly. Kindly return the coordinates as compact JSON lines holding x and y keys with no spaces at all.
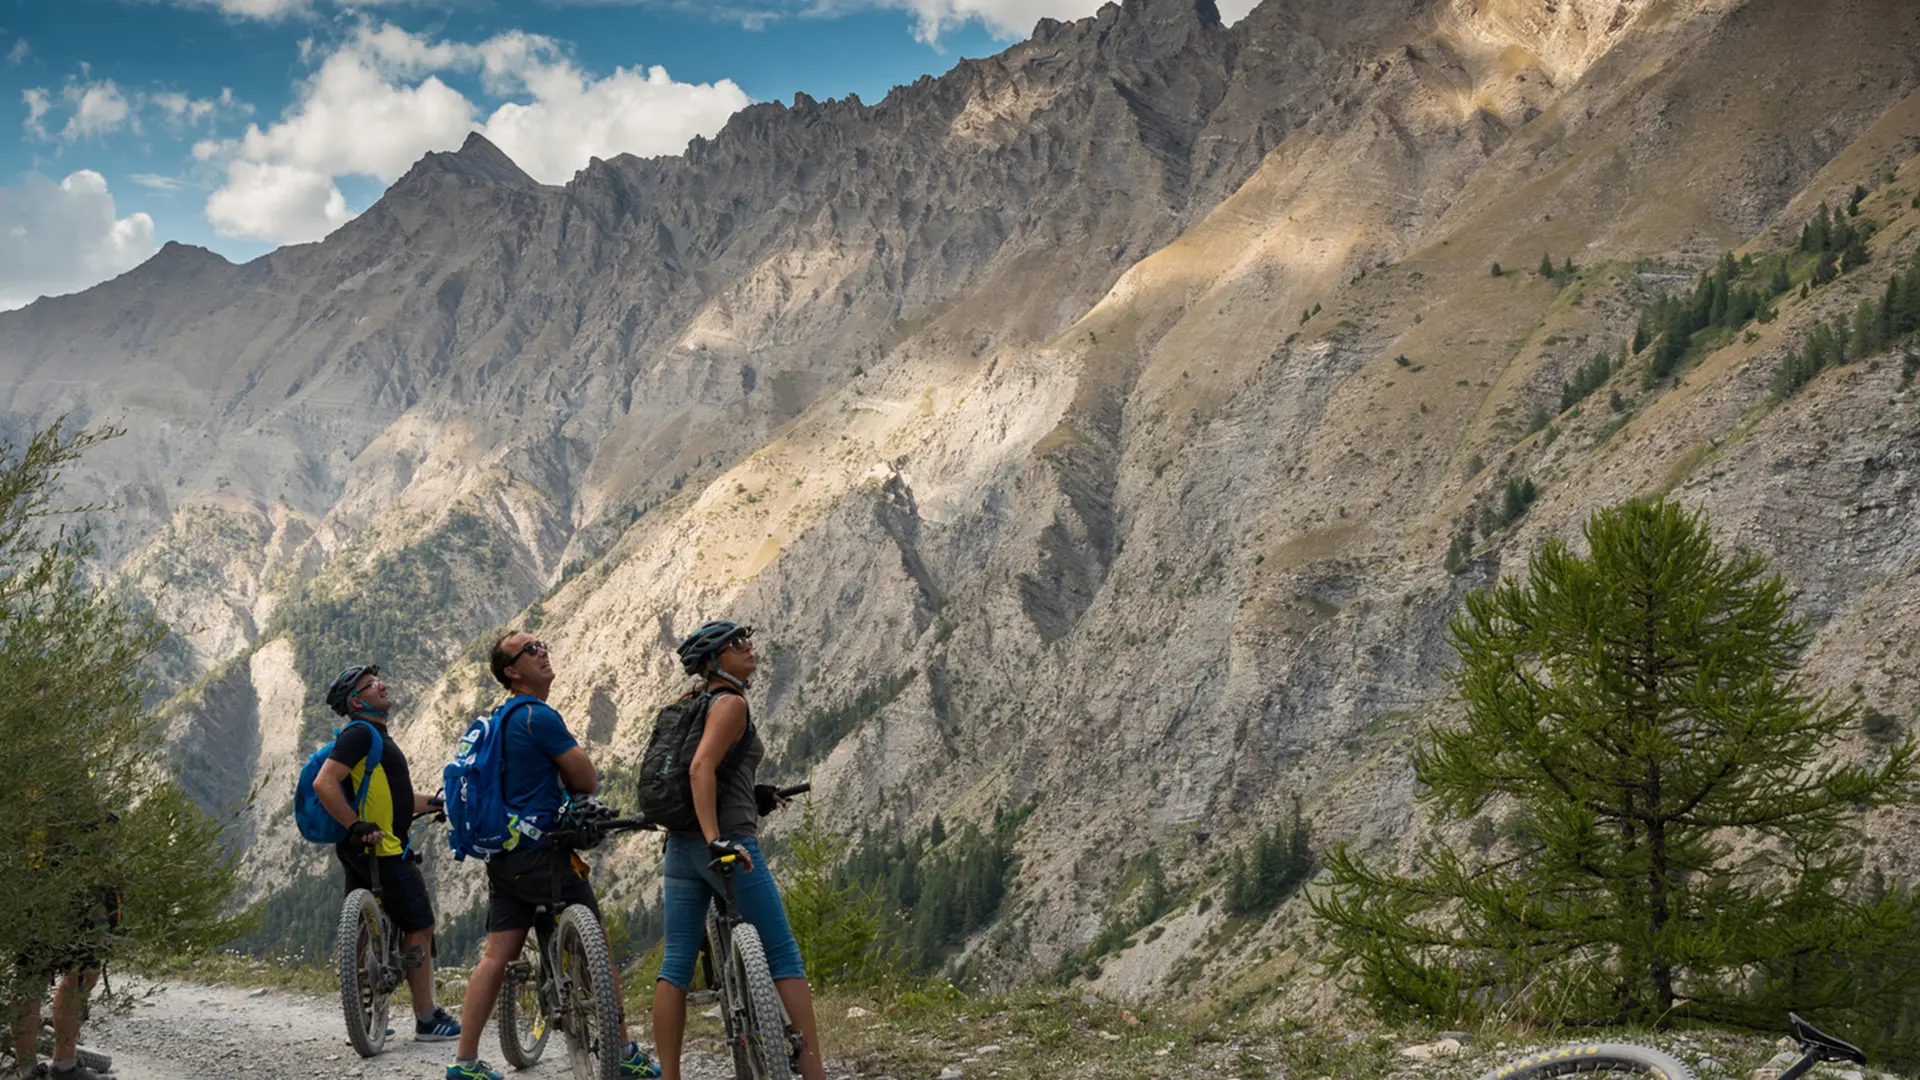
{"x":382,"y":823}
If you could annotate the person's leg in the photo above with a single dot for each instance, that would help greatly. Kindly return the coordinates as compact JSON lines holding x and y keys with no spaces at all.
{"x":684,"y":899}
{"x":68,"y":1000}
{"x":420,"y":979}
{"x":484,"y":986}
{"x":411,"y":908}
{"x":758,"y":897}
{"x":797,"y":996}
{"x":510,"y":914}
{"x":669,"y":1027}
{"x":26,"y":1026}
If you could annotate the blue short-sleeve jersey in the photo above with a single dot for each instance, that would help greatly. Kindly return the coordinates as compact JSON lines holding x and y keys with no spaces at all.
{"x":533,"y":735}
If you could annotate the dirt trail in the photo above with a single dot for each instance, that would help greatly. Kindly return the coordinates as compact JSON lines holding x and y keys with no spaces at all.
{"x":185,"y":1031}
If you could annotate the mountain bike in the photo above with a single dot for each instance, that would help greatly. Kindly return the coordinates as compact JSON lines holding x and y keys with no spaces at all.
{"x":1627,"y":1059}
{"x":372,"y":960}
{"x":566,"y":982}
{"x":765,"y":1044}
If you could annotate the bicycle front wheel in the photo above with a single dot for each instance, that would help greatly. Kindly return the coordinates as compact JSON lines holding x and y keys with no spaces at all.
{"x":765,"y":1037}
{"x":523,"y":1020}
{"x":360,"y":952}
{"x":1595,"y":1059}
{"x":591,"y":997}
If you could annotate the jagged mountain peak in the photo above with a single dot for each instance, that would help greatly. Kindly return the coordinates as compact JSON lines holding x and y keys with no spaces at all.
{"x":477,"y":158}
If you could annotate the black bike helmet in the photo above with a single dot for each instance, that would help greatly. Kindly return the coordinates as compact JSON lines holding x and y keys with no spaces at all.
{"x":707,"y":642}
{"x":344,"y":686}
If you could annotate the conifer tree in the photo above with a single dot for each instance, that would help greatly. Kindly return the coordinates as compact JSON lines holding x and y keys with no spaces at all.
{"x":77,"y":744}
{"x":1546,"y":267}
{"x":1690,"y":840}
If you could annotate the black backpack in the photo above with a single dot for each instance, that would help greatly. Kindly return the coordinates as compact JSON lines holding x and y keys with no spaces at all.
{"x":666,"y":784}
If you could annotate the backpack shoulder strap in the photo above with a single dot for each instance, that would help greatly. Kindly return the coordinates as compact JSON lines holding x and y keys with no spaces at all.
{"x":375,"y":752}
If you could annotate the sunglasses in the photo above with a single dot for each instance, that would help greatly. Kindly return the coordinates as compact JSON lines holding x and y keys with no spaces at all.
{"x":536,"y":648}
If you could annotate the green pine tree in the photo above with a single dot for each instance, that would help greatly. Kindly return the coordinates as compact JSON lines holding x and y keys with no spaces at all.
{"x":77,"y":744}
{"x":1689,"y":847}
{"x":1546,"y":267}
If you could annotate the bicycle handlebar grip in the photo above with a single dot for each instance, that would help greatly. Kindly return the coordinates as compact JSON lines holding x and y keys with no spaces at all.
{"x":790,"y":792}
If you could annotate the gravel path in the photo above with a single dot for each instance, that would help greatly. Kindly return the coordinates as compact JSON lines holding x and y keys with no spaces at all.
{"x":184,"y":1031}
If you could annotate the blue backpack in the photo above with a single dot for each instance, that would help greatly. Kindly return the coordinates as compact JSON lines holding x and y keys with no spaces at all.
{"x":478,"y":822}
{"x":312,"y":818}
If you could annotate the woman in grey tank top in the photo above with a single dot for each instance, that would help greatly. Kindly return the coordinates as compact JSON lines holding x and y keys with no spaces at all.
{"x":729,"y":804}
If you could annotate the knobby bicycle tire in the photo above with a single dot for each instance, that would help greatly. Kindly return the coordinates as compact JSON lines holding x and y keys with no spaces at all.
{"x":593,"y":1028}
{"x":766,"y":1036}
{"x":1617,"y":1059}
{"x":360,"y":944}
{"x":524,"y":1025}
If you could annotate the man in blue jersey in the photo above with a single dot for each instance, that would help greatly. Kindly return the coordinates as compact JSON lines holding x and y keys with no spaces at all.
{"x":541,"y":765}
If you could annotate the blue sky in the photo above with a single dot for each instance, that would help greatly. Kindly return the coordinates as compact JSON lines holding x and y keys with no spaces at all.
{"x":240,"y":125}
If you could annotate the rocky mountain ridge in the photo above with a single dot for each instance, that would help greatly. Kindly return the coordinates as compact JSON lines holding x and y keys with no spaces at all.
{"x":1114,"y":398}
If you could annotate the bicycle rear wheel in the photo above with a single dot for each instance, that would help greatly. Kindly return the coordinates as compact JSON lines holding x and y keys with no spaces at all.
{"x":360,"y":951}
{"x":765,"y":1038}
{"x":591,"y":999}
{"x":523,"y":1021}
{"x":1595,"y":1059}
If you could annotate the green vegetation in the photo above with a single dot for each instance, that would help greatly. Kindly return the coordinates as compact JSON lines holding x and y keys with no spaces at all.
{"x":404,"y":611}
{"x":837,"y":922}
{"x":1277,"y":863}
{"x":77,"y":744}
{"x":933,"y":895}
{"x":1145,"y":884}
{"x":822,"y":729}
{"x":1591,"y":376}
{"x":1687,"y":820}
{"x":1515,"y":500}
{"x":1727,"y":298}
{"x":1877,"y":324}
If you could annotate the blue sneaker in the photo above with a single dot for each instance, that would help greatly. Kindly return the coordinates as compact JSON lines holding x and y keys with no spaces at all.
{"x":635,"y":1062}
{"x":442,"y":1028}
{"x":479,"y":1070}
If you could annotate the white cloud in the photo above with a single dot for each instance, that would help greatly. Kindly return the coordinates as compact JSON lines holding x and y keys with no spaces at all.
{"x":1006,"y":19}
{"x":285,"y":203}
{"x":99,"y":109}
{"x":37,"y":106}
{"x":158,"y":182}
{"x":19,"y":53}
{"x":59,"y":238}
{"x":377,"y":103}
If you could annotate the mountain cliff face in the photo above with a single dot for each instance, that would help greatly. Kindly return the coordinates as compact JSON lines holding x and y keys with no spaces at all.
{"x":1111,"y":402}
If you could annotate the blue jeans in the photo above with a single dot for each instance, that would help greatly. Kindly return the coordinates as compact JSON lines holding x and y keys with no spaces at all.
{"x":690,"y":887}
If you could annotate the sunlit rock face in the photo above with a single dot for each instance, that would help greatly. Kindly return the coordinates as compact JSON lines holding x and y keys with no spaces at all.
{"x":1109,"y":404}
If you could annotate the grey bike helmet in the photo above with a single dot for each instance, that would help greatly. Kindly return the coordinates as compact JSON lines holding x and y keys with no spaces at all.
{"x":706,"y":642}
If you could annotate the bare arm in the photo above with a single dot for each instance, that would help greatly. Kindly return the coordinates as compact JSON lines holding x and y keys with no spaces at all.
{"x":577,"y":772}
{"x":726,"y":723}
{"x":326,"y":788}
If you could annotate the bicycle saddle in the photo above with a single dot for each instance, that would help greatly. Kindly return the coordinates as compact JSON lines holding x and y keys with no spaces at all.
{"x":1830,"y":1048}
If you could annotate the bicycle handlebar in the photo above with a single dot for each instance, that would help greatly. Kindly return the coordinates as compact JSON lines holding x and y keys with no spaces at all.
{"x":790,"y":792}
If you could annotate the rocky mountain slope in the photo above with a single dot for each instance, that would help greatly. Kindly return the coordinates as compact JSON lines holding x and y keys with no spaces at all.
{"x":1109,"y":405}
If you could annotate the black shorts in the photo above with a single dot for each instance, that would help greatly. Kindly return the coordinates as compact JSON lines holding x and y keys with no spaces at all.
{"x":403,"y":888}
{"x":521,"y":880}
{"x":95,"y":920}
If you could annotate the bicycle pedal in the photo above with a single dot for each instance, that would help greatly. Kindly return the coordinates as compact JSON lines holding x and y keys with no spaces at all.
{"x":703,"y":997}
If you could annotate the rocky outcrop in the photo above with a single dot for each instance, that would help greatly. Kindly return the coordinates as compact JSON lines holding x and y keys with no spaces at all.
{"x":1111,"y":401}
